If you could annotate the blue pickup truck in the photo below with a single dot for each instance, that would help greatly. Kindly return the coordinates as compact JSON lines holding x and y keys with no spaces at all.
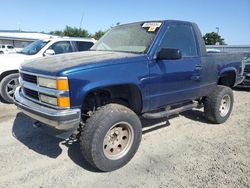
{"x":150,"y":69}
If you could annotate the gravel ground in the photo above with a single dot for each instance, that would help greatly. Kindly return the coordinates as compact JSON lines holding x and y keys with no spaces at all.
{"x":187,"y":151}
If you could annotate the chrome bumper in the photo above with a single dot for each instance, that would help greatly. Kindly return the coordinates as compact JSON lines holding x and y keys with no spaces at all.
{"x":62,"y":120}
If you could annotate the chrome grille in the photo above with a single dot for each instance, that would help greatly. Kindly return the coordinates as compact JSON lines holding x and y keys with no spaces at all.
{"x":31,"y":93}
{"x":28,"y":78}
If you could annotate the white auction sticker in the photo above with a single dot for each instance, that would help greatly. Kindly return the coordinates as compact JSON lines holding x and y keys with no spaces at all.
{"x":152,"y":26}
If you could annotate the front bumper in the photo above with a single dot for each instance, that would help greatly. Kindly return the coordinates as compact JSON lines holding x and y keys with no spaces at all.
{"x":60,"y":120}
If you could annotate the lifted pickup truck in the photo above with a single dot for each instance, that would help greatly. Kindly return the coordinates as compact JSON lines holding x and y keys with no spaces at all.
{"x":152,"y":69}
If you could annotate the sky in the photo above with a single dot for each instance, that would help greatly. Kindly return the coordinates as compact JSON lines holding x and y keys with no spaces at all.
{"x":231,"y":16}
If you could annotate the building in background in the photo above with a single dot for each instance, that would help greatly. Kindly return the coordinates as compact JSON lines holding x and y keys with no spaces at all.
{"x":20,"y":39}
{"x":230,"y":48}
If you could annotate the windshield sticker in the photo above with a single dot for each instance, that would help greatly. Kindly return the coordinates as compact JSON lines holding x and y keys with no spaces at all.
{"x":152,"y":26}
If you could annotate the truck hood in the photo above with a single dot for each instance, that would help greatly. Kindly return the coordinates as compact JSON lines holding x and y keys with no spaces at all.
{"x":58,"y":65}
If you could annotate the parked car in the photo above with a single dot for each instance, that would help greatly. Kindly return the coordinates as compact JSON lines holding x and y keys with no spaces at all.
{"x":6,"y":49}
{"x":40,"y":48}
{"x":152,"y":69}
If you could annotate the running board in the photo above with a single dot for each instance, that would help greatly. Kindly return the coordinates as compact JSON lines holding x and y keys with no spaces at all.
{"x":166,"y":114}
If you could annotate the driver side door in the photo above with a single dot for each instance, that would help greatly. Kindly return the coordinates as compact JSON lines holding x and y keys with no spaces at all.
{"x":173,"y":81}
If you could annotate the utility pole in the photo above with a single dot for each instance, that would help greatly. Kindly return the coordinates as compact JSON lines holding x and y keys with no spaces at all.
{"x":218,"y":29}
{"x":19,"y":26}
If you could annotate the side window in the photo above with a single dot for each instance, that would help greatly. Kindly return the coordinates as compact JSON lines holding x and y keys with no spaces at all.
{"x":180,"y":36}
{"x":61,"y":47}
{"x":83,"y":46}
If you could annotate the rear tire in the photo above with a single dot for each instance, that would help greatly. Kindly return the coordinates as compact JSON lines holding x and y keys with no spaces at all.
{"x":8,"y":86}
{"x":218,"y":106}
{"x":111,"y":137}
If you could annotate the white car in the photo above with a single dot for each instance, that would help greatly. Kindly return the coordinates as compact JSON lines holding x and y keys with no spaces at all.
{"x":10,"y":63}
{"x":6,"y":49}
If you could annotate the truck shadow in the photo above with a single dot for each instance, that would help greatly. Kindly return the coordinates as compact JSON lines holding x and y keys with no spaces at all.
{"x":195,"y":115}
{"x":40,"y":142}
{"x":33,"y":138}
{"x":243,"y":89}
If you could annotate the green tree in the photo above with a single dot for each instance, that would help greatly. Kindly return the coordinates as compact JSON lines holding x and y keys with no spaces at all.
{"x":76,"y":32}
{"x":71,"y":32}
{"x":98,"y":34}
{"x":213,"y":38}
{"x":59,"y":33}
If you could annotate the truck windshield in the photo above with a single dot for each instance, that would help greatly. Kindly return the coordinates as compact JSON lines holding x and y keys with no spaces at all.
{"x":133,"y":38}
{"x":34,"y":47}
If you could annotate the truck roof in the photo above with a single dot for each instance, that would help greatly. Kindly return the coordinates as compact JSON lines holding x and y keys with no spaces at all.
{"x":58,"y":38}
{"x":159,"y":21}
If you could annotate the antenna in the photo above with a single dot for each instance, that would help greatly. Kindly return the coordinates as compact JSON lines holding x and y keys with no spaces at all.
{"x":81,"y":21}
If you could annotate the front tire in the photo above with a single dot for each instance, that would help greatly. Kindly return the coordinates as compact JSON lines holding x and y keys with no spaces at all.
{"x":111,"y":137}
{"x":8,"y":86}
{"x":218,"y":106}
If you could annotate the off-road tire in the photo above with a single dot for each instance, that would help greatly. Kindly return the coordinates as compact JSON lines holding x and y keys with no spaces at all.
{"x":212,"y":104}
{"x":3,"y":85}
{"x":94,"y":132}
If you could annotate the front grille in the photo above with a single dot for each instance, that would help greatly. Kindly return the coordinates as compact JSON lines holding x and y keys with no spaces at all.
{"x":28,"y":78}
{"x":31,"y":93}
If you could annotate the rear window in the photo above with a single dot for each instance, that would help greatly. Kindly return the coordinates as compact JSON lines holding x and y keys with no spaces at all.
{"x":180,"y":36}
{"x":84,"y":46}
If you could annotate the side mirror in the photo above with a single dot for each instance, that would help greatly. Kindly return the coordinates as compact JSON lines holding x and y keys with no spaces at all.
{"x":49,"y":52}
{"x":169,"y":54}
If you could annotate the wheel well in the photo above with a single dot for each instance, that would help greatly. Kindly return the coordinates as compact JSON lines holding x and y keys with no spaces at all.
{"x":128,"y":95}
{"x":227,"y":79}
{"x":7,"y":73}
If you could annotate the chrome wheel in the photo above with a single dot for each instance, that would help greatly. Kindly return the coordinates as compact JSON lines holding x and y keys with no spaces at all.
{"x":118,"y":140}
{"x":225,"y":105}
{"x":11,"y":87}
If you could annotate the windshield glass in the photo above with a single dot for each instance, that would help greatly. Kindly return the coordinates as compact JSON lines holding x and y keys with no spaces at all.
{"x":134,"y":38}
{"x":34,"y":47}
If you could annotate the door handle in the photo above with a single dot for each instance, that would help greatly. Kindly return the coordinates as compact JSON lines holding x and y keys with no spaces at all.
{"x":196,"y":78}
{"x":198,"y":67}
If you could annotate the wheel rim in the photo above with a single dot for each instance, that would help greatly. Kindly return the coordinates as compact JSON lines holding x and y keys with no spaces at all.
{"x":225,"y":105}
{"x":11,"y":87}
{"x":118,"y":140}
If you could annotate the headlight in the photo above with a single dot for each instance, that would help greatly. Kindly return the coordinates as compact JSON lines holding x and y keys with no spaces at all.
{"x":48,"y":99}
{"x":59,"y":84}
{"x":63,"y":102}
{"x":46,"y":82}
